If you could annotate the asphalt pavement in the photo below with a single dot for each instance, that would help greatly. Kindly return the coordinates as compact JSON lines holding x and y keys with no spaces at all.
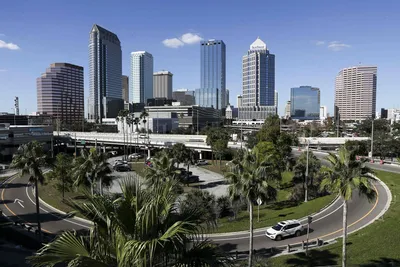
{"x":18,"y":203}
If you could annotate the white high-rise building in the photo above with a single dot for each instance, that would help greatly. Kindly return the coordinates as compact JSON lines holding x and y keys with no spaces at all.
{"x":239,"y":100}
{"x":276,"y":100}
{"x":323,"y":113}
{"x":287,"y":109}
{"x":141,"y":79}
{"x":258,"y":83}
{"x":355,"y":93}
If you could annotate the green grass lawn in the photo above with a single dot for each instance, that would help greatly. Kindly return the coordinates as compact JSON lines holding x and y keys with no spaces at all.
{"x":375,"y":245}
{"x":49,"y":194}
{"x":272,"y":213}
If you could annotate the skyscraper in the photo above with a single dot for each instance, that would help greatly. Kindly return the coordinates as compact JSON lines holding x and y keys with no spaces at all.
{"x":184,"y":96}
{"x":276,"y":99}
{"x":355,"y":93}
{"x":258,"y":82}
{"x":125,"y":88}
{"x":212,"y":75}
{"x":227,"y":101}
{"x":239,"y":101}
{"x":141,"y":76}
{"x":305,"y":103}
{"x":287,"y":109}
{"x":162,"y":84}
{"x":105,"y":71}
{"x":60,"y":93}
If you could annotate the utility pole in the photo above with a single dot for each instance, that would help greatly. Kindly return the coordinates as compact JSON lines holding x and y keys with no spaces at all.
{"x":75,"y":146}
{"x":372,"y":141}
{"x":306,"y":182}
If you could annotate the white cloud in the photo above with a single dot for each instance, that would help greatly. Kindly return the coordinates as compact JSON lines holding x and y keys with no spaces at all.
{"x":3,"y":70}
{"x":319,"y":42}
{"x":337,"y":46}
{"x":187,"y":38}
{"x":10,"y":46}
{"x":190,"y":38}
{"x":173,"y":43}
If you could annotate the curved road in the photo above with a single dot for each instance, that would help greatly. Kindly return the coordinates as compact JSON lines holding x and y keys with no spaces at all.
{"x":18,"y":203}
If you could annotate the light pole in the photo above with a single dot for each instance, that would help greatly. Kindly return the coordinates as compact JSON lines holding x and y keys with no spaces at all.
{"x":306,"y":182}
{"x":372,"y":141}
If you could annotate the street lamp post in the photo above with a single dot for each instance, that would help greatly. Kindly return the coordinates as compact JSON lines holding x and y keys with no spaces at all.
{"x":306,"y":182}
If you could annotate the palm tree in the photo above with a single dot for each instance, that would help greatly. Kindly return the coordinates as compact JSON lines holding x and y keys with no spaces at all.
{"x":252,"y":176}
{"x":122,"y":115}
{"x":143,"y":227}
{"x":92,"y":167}
{"x":179,"y":151}
{"x":343,"y":176}
{"x":143,"y":117}
{"x":130,"y":121}
{"x":163,"y":169}
{"x":30,"y":160}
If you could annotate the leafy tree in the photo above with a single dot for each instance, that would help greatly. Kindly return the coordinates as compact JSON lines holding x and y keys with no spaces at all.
{"x":144,"y":227}
{"x":365,"y":127}
{"x":30,"y":160}
{"x":343,"y":176}
{"x":358,"y":147}
{"x":251,"y":140}
{"x":224,"y":206}
{"x":270,"y":130}
{"x":92,"y":167}
{"x":62,"y":173}
{"x":218,"y":139}
{"x":252,"y":177}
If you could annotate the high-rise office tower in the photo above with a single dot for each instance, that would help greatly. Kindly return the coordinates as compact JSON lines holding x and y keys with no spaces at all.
{"x":184,"y":96}
{"x":355,"y":93}
{"x":227,"y":102}
{"x":125,"y":88}
{"x":323,"y":113}
{"x":287,"y":110}
{"x":162,"y":84}
{"x":105,"y":71}
{"x":212,"y":75}
{"x":305,"y":103}
{"x":276,"y":99}
{"x":239,"y":101}
{"x":258,"y":82}
{"x":60,"y":93}
{"x":141,"y":76}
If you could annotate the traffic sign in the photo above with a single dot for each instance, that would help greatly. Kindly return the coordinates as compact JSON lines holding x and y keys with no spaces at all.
{"x":309,"y":219}
{"x":83,"y":142}
{"x":259,"y":201}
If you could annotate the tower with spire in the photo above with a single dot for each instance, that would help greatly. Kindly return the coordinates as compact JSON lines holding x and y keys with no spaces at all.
{"x":258,"y":98}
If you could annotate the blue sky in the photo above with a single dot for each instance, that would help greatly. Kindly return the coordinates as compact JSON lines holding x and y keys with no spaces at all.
{"x":312,"y":40}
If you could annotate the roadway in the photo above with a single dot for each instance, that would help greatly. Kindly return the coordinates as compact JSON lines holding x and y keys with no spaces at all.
{"x":18,"y":203}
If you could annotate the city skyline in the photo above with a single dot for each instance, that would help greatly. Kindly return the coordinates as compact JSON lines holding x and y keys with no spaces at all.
{"x":301,"y":61}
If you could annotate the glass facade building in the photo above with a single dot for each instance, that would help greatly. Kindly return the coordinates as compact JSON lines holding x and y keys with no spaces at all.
{"x":258,"y":76}
{"x":212,"y":75}
{"x":305,"y":103}
{"x":141,"y":76}
{"x":105,"y":72}
{"x":60,"y":93}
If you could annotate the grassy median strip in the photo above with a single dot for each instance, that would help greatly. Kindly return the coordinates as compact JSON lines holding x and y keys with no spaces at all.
{"x":270,"y":214}
{"x":376,"y":245}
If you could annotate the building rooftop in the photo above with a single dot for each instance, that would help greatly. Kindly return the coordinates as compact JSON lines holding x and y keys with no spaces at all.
{"x":258,"y":44}
{"x":164,"y":72}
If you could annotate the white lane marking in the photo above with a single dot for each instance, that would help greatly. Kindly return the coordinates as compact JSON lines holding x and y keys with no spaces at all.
{"x":259,"y":235}
{"x":82,"y":225}
{"x":19,"y":201}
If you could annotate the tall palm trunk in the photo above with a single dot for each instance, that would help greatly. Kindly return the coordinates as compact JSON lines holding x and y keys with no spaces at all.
{"x":38,"y":210}
{"x":101,"y":186}
{"x":251,"y":234}
{"x":344,"y":233}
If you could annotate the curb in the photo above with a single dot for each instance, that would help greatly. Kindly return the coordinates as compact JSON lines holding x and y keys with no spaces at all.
{"x":259,"y":230}
{"x":64,"y":213}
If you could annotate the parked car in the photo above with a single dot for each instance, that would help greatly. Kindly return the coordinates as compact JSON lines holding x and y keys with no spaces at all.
{"x":135,"y":156}
{"x":122,"y":168}
{"x":284,"y":229}
{"x":191,"y":179}
{"x":201,"y":162}
{"x":119,"y":162}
